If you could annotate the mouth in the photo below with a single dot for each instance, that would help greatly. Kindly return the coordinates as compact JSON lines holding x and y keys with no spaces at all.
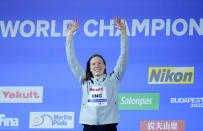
{"x":97,"y":70}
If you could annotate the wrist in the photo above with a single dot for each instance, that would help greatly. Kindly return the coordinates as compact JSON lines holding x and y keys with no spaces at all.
{"x":123,"y":33}
{"x":69,"y":35}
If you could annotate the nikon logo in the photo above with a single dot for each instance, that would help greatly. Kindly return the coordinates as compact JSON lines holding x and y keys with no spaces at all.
{"x":171,"y":75}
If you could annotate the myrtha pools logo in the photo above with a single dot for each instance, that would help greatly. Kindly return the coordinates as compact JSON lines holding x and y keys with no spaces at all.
{"x":8,"y":123}
{"x":52,"y":120}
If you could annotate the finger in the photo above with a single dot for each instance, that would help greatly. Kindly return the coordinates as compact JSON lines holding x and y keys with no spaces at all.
{"x":116,"y":20}
{"x":72,"y":22}
{"x":77,"y":22}
{"x":124,"y":20}
{"x":118,"y":27}
{"x":119,"y":19}
{"x":115,"y":26}
{"x":69,"y":25}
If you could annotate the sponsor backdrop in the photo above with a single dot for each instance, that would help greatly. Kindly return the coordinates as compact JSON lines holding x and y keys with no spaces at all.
{"x":163,"y":84}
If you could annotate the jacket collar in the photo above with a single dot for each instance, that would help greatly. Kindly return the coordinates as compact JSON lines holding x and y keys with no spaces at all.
{"x":101,"y":79}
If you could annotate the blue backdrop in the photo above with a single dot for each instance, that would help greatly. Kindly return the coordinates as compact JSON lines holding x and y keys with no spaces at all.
{"x":161,"y":34}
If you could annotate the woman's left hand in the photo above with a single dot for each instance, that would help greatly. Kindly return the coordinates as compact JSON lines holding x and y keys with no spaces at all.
{"x":120,"y":25}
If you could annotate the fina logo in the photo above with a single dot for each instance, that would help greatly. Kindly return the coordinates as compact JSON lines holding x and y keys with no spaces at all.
{"x":52,"y":120}
{"x":8,"y":123}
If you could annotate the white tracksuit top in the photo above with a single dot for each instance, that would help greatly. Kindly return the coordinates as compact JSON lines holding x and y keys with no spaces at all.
{"x":108,"y":83}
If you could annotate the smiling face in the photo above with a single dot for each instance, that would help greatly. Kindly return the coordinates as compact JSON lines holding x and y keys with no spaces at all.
{"x":97,"y":67}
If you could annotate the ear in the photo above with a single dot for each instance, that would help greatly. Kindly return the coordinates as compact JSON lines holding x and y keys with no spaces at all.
{"x":104,"y":66}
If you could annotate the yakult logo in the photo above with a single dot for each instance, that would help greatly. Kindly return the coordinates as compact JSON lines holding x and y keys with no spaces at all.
{"x":7,"y":123}
{"x":52,"y":120}
{"x":21,"y":94}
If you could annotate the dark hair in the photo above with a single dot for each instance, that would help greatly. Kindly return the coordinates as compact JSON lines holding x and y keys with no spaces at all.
{"x":88,"y":72}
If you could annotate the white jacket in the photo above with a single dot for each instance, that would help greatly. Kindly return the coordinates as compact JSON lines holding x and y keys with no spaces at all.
{"x":99,"y":115}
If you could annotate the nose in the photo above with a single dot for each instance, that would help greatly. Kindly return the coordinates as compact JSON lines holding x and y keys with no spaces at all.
{"x":97,"y":65}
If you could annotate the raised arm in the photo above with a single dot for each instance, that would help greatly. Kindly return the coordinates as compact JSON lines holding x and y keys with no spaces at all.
{"x":119,"y":70}
{"x":76,"y":68}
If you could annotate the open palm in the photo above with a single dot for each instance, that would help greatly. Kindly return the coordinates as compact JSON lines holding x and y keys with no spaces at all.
{"x":73,"y":26}
{"x":119,"y":25}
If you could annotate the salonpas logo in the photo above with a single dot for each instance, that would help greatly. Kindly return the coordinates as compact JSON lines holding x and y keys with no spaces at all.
{"x":139,"y":101}
{"x":171,"y":75}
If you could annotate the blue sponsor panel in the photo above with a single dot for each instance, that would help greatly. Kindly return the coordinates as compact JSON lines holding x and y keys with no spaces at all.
{"x":165,"y":38}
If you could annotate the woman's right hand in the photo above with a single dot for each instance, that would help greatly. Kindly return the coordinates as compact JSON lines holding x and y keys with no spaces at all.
{"x":73,"y":26}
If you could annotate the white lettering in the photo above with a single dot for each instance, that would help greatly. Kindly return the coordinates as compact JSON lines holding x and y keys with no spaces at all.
{"x":65,"y":27}
{"x":136,"y":101}
{"x":8,"y":122}
{"x":109,"y":27}
{"x":144,"y":25}
{"x":53,"y":29}
{"x":9,"y":28}
{"x":156,"y":27}
{"x":42,"y":29}
{"x":168,"y":27}
{"x":174,"y":27}
{"x":92,"y":28}
{"x":90,"y":34}
{"x":193,"y":25}
{"x":22,"y":28}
